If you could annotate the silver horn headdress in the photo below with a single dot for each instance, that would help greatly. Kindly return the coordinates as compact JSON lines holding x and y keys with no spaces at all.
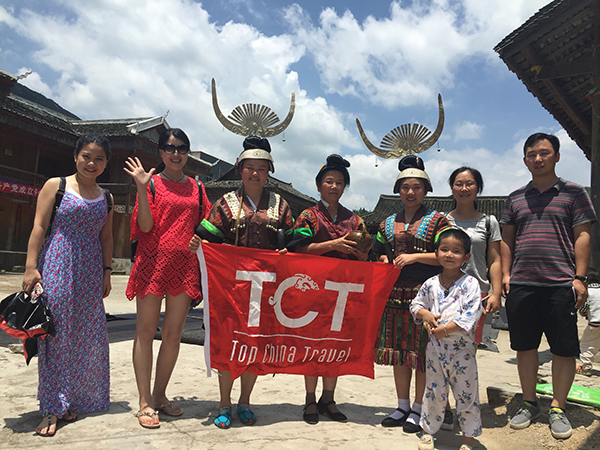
{"x":406,"y":139}
{"x":251,"y":119}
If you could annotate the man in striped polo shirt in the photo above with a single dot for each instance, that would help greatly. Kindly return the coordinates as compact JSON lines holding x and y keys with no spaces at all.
{"x":545,"y":257}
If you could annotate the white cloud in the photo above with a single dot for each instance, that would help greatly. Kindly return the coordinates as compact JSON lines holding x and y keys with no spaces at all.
{"x":132,"y":58}
{"x":409,"y":57}
{"x":468,"y":131}
{"x":504,"y":172}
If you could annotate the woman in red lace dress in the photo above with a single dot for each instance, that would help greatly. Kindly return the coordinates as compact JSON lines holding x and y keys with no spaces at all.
{"x":167,"y":210}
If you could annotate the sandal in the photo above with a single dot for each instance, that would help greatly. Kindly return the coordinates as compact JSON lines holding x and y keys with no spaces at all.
{"x":170,"y":409}
{"x":51,"y":422}
{"x":153,"y":415}
{"x":223,"y":419}
{"x":580,"y":370}
{"x":310,"y":418}
{"x":69,"y":416}
{"x":426,"y":442}
{"x":247,"y":417}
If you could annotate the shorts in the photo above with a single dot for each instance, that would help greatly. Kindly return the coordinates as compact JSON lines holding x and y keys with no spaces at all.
{"x":533,"y":310}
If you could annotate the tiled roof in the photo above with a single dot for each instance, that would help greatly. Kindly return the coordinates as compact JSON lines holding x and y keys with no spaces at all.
{"x":7,"y":75}
{"x":532,"y":24}
{"x":552,"y":55}
{"x":22,"y":91}
{"x":35,"y":112}
{"x":109,"y":127}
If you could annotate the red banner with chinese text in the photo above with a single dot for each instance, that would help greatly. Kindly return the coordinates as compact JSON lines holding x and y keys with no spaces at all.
{"x":17,"y":188}
{"x":294,"y":313}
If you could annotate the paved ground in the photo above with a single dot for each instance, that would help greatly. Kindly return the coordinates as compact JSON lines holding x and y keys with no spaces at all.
{"x":277,"y":402}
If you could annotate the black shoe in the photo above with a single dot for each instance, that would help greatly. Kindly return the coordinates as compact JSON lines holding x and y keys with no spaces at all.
{"x":311,"y":418}
{"x":389,"y":421}
{"x":335,"y":416}
{"x":410,"y":427}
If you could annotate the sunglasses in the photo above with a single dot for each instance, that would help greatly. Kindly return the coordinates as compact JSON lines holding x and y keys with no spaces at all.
{"x":181,"y":149}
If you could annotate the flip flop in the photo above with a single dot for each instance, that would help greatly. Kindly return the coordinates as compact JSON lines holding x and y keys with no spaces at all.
{"x":72,"y":416}
{"x":52,"y":419}
{"x":153,"y":415}
{"x":170,"y":409}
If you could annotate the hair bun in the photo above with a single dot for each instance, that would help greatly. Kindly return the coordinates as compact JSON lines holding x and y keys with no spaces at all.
{"x":411,"y":162}
{"x":257,"y":142}
{"x":337,"y":161}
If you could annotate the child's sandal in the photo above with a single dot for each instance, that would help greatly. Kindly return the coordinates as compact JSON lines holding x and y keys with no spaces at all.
{"x":426,"y":442}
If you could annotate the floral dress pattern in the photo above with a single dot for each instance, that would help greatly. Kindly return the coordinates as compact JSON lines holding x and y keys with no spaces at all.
{"x":74,"y":371}
{"x":451,"y":362}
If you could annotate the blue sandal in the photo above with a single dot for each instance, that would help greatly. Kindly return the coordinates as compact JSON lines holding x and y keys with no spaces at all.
{"x":247,"y":417}
{"x":223,"y":419}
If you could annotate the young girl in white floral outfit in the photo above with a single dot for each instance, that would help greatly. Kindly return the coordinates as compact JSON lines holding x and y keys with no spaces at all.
{"x":449,"y":304}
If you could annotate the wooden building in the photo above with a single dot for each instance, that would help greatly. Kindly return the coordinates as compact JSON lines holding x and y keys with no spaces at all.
{"x":37,"y":138}
{"x":556,"y":55}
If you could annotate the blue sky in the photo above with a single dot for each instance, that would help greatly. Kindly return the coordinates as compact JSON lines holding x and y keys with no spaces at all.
{"x":383,"y":62}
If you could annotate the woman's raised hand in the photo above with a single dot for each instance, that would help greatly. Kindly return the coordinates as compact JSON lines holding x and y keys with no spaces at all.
{"x":136,"y":170}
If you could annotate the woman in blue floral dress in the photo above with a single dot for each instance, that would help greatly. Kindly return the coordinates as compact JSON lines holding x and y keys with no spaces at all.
{"x":74,"y":267}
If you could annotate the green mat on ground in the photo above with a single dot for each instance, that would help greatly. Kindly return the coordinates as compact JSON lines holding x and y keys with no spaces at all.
{"x":579,"y":394}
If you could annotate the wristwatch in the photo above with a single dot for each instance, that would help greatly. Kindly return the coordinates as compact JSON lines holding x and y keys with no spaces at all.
{"x":580,"y":278}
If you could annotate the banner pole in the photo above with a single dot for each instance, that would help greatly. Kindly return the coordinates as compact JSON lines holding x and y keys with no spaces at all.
{"x":206,"y":306}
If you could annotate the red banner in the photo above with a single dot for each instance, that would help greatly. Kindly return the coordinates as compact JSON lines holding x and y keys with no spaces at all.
{"x":294,"y":313}
{"x":17,"y":188}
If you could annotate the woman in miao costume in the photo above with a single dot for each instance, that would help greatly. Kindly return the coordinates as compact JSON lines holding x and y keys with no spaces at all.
{"x":410,"y":233}
{"x":248,"y":217}
{"x":323,"y":230}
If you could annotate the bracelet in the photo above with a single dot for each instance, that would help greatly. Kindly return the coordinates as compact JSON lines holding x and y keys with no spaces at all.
{"x":108,"y":268}
{"x":445,"y":330}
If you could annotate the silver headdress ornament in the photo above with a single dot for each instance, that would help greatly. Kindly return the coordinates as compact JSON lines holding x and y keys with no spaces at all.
{"x":406,"y":139}
{"x":251,"y":119}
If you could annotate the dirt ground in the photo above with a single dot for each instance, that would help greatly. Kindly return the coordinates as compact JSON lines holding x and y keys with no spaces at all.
{"x":279,"y":399}
{"x":585,"y":422}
